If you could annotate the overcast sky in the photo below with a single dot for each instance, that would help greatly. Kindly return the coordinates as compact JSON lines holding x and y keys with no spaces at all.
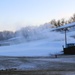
{"x":17,"y":13}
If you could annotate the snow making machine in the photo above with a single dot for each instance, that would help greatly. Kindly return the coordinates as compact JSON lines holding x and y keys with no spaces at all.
{"x":69,"y":48}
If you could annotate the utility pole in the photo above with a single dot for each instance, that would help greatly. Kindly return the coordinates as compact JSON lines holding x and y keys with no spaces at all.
{"x":65,"y":36}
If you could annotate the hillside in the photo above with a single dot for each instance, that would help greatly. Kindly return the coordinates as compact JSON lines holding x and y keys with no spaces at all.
{"x":40,"y":42}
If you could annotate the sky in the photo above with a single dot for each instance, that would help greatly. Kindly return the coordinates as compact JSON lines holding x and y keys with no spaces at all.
{"x":15,"y":14}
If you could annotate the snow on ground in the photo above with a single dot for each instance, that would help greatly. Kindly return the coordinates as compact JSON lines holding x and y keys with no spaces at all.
{"x":48,"y":44}
{"x":37,"y":48}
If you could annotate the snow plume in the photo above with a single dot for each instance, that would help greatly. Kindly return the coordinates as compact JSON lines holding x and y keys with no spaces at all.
{"x":30,"y":33}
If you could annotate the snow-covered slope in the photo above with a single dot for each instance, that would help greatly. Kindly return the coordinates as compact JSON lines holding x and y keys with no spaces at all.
{"x":46,"y":43}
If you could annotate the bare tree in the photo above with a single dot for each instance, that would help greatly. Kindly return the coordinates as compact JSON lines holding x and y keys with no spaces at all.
{"x":53,"y":22}
{"x":73,"y":18}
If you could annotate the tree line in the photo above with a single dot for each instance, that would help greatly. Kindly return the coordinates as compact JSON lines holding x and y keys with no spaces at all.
{"x":62,"y":21}
{"x":4,"y":35}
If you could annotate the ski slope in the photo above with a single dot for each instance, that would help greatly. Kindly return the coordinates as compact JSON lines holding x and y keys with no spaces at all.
{"x":49,"y":43}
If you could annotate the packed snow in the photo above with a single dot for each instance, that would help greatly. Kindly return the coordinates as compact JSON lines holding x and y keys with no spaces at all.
{"x":42,"y":42}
